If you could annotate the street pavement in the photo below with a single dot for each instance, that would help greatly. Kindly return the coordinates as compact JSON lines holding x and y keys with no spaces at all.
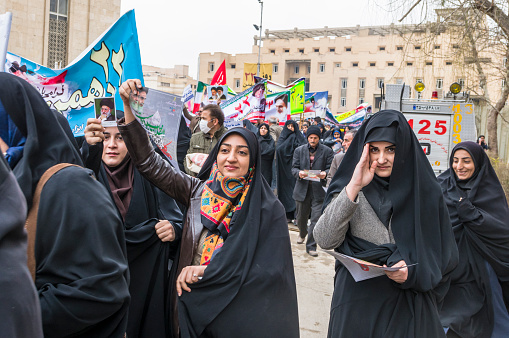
{"x":315,"y":283}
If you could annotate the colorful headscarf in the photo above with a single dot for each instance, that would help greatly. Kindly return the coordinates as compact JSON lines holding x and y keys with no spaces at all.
{"x":221,"y":197}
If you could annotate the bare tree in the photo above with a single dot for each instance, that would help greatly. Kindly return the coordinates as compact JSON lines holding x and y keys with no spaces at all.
{"x":480,"y":31}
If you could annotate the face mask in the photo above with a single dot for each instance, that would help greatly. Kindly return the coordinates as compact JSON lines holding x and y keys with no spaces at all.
{"x":204,"y":127}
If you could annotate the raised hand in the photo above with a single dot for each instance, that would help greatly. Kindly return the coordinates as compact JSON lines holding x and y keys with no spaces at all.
{"x":94,"y":131}
{"x":362,"y":175}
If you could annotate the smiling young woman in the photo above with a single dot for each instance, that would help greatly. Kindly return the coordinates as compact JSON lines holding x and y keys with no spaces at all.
{"x":478,"y":300}
{"x":385,"y":206}
{"x":235,"y":253}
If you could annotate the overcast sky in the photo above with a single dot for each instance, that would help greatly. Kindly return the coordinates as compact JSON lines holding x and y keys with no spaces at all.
{"x":175,"y":32}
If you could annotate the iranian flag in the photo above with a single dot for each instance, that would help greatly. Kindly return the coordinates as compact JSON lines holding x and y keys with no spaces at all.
{"x":198,"y":96}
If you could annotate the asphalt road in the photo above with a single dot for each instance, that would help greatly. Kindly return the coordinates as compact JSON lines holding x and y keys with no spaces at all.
{"x":314,"y":277}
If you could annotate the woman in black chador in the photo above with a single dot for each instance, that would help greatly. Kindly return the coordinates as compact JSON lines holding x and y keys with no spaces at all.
{"x":385,"y":206}
{"x":289,"y":140}
{"x":478,"y":299}
{"x":267,"y":150}
{"x":152,"y":225}
{"x":235,"y":267}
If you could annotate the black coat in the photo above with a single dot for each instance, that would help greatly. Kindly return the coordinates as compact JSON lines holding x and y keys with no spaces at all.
{"x":81,"y":261}
{"x":323,"y":159}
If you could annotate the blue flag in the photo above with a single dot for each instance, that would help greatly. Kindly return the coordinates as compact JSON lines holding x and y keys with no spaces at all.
{"x":97,"y":72}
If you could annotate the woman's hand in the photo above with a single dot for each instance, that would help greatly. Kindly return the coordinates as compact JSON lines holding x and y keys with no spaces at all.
{"x":125,"y":89}
{"x":94,"y":131}
{"x":362,"y":175}
{"x":165,"y":231}
{"x":3,"y":146}
{"x":399,"y":276}
{"x":189,"y":275}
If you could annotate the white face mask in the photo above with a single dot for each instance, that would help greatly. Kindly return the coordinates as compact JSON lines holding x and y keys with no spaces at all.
{"x":204,"y":127}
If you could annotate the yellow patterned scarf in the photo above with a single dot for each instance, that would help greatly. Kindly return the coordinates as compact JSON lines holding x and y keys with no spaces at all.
{"x":221,"y":197}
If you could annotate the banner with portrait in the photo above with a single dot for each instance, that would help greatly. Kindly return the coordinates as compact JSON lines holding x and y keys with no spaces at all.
{"x":296,"y":89}
{"x":278,"y":105}
{"x":97,"y":72}
{"x":159,"y":113}
{"x":315,"y":104}
{"x":250,"y":104}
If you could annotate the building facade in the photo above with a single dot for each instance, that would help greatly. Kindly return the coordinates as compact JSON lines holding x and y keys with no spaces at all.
{"x":169,"y":80}
{"x":353,"y":63}
{"x":54,"y":32}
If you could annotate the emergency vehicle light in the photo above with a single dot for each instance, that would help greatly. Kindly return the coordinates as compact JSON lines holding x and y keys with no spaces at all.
{"x":419,"y":87}
{"x":455,"y":88}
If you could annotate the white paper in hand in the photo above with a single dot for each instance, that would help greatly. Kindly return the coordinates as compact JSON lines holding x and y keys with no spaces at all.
{"x":362,"y":270}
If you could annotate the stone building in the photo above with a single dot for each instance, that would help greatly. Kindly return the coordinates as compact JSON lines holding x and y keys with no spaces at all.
{"x":54,"y":32}
{"x":352,"y":63}
{"x":170,"y":80}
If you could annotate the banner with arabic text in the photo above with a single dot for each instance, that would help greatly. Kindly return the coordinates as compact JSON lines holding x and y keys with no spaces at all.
{"x":250,"y":104}
{"x":315,"y":104}
{"x":97,"y":72}
{"x":159,"y":113}
{"x":250,"y":71}
{"x":278,"y":105}
{"x":296,"y":89}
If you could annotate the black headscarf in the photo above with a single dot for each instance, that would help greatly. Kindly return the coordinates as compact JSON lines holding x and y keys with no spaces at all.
{"x":286,"y":145}
{"x":80,"y":242}
{"x":248,"y":289}
{"x":46,"y":144}
{"x":267,"y":144}
{"x":19,"y":309}
{"x":422,"y":234}
{"x":481,"y":226}
{"x":412,"y":189}
{"x":249,"y":125}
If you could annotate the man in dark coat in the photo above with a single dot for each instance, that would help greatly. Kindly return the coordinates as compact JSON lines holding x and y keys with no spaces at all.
{"x":308,"y":192}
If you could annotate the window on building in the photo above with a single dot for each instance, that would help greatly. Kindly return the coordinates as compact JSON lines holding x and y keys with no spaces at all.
{"x":390,"y":64}
{"x":429,"y":63}
{"x":409,"y":64}
{"x":362,"y":83}
{"x":399,"y":47}
{"x":455,"y":46}
{"x":448,"y":63}
{"x":503,"y":83}
{"x":437,"y":46}
{"x":417,"y":47}
{"x":322,"y":67}
{"x":211,"y":67}
{"x":237,"y":83}
{"x":399,"y":80}
{"x":273,"y":51}
{"x":379,"y":83}
{"x":165,"y":84}
{"x":504,"y":62}
{"x":332,"y":50}
{"x":301,"y":50}
{"x":57,"y":35}
{"x":338,"y":65}
{"x":344,"y":83}
{"x":381,"y":48}
{"x":355,"y":64}
{"x":372,"y":64}
{"x":296,"y":69}
{"x":461,"y":82}
{"x":348,"y":49}
{"x":287,"y":51}
{"x":418,"y":80}
{"x":316,"y":50}
{"x":361,"y":100}
{"x":440,"y":83}
{"x":275,"y":67}
{"x":233,"y":66}
{"x":309,"y":69}
{"x":343,"y":102}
